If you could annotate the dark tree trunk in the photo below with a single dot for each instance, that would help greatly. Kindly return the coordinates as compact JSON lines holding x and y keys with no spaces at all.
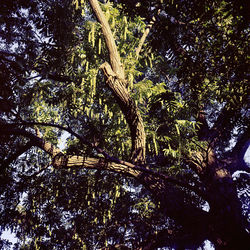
{"x":227,"y":227}
{"x":224,"y":224}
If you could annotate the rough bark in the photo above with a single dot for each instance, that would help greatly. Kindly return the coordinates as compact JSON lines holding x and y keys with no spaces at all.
{"x":131,"y":113}
{"x":109,"y":39}
{"x":227,"y":225}
{"x":223,"y":224}
{"x":115,"y":79}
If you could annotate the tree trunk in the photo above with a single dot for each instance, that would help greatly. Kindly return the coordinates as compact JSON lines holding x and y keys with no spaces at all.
{"x":228,"y":225}
{"x":172,"y":202}
{"x":131,"y":113}
{"x":223,"y":225}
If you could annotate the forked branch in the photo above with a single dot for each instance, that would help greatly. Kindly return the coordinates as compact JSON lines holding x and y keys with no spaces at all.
{"x":115,"y":80}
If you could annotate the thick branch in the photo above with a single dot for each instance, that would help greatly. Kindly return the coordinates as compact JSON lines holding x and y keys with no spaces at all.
{"x":59,"y":160}
{"x":63,"y":160}
{"x":110,"y":41}
{"x":131,"y":113}
{"x":170,"y":195}
{"x":203,"y":130}
{"x":242,"y":144}
{"x":235,"y":159}
{"x":35,"y":140}
{"x":115,"y":80}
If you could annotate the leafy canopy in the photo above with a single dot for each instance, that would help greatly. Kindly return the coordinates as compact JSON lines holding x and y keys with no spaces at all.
{"x":51,"y":51}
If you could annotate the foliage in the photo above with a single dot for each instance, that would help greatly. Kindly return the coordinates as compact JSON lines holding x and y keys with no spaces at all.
{"x":194,"y":59}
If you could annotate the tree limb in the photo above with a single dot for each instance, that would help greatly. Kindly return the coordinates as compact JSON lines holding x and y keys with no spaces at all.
{"x":114,"y":164}
{"x":242,"y":144}
{"x":145,"y":34}
{"x":115,"y":80}
{"x":164,"y":189}
{"x":131,"y":113}
{"x":235,"y":158}
{"x":22,"y":149}
{"x":110,"y":41}
{"x":35,"y":140}
{"x":203,"y":130}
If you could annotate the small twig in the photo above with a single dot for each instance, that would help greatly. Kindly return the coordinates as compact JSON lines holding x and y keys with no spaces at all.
{"x":37,"y":173}
{"x":145,"y":34}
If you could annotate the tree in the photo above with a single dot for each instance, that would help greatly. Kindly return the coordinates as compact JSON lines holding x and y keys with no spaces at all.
{"x":151,"y":102}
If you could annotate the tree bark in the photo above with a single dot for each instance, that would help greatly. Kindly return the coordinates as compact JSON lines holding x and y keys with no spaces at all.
{"x":223,"y":224}
{"x":115,"y":79}
{"x":227,"y":225}
{"x":131,"y":113}
{"x":109,"y":39}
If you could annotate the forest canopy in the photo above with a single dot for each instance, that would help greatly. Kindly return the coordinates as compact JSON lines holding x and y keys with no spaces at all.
{"x":124,"y":124}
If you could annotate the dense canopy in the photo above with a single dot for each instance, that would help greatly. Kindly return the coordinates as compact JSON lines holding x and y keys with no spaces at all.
{"x":124,"y":124}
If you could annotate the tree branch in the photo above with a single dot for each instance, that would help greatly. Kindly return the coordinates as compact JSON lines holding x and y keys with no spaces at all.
{"x":170,"y":196}
{"x":235,"y":159}
{"x":203,"y":130}
{"x":145,"y":34}
{"x":59,"y":160}
{"x":110,"y":41}
{"x":35,"y":140}
{"x":115,"y":80}
{"x":242,"y":144}
{"x":131,"y":113}
{"x":110,"y":163}
{"x":22,"y":149}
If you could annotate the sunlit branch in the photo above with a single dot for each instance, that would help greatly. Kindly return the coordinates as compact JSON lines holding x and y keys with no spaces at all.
{"x":115,"y":80}
{"x":109,"y":38}
{"x":117,"y":165}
